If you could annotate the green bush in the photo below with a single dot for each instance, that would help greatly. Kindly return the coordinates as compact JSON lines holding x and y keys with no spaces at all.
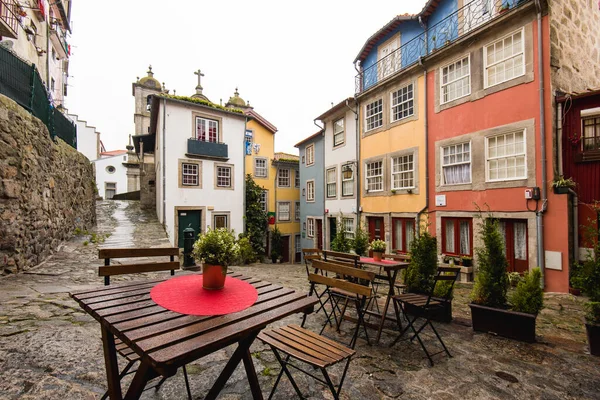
{"x":491,"y":282}
{"x":247,"y":254}
{"x":276,"y":244}
{"x":217,"y":247}
{"x":341,"y":242}
{"x":378,"y":245}
{"x":255,"y":218}
{"x":588,"y":277}
{"x":592,"y":312}
{"x":529,"y":296}
{"x":423,"y":264}
{"x":514,"y":278}
{"x":361,"y":240}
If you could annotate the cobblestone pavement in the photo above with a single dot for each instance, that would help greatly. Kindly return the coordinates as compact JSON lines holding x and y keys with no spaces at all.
{"x":51,"y":349}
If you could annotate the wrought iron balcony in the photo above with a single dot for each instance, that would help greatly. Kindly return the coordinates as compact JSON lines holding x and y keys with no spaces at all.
{"x":207,"y":149}
{"x":9,"y":20}
{"x":58,"y":37}
{"x":455,"y":26}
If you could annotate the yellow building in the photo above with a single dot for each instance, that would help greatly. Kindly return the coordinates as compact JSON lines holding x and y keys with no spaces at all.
{"x":277,"y":174}
{"x":393,"y":159}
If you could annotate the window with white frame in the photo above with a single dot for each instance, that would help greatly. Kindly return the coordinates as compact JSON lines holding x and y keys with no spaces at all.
{"x":348,"y":224}
{"x":338,"y":132}
{"x":403,"y":172}
{"x":347,"y":180}
{"x":310,"y":227}
{"x":590,"y":140}
{"x":297,"y":211}
{"x":264,"y":198}
{"x":456,"y":164}
{"x":283,"y":177}
{"x":260,"y":167}
{"x":504,"y":60}
{"x":283,"y":211}
{"x":455,"y":80}
{"x":374,"y":115}
{"x":331,"y":182}
{"x":310,"y":190}
{"x":374,"y":176}
{"x":224,"y":176}
{"x":310,"y":154}
{"x":402,"y":103}
{"x":189,"y":174}
{"x":297,"y":178}
{"x":505,"y":156}
{"x":207,"y":130}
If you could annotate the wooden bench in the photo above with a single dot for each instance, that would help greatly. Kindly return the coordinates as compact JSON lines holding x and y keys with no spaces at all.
{"x":109,"y":270}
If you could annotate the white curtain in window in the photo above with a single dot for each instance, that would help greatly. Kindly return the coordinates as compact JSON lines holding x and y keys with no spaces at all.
{"x":450,"y":236}
{"x":398,"y":228}
{"x":465,"y":239}
{"x":502,"y":229}
{"x":520,"y":229}
{"x":456,"y":174}
{"x":410,"y":234}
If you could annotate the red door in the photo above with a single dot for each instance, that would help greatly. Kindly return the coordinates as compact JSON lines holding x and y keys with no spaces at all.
{"x":319,"y":234}
{"x":376,"y":230}
{"x":285,"y":249}
{"x":516,"y":246}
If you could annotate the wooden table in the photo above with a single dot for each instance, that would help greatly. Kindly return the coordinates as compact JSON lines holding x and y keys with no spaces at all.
{"x":391,"y":269}
{"x":167,"y":340}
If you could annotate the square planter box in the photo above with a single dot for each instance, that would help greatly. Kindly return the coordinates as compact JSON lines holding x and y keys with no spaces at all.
{"x":442,"y":315}
{"x":593,"y":336}
{"x":506,"y":323}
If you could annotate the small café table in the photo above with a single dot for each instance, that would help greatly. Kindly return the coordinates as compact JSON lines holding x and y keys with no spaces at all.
{"x":166,"y":340}
{"x":391,"y":269}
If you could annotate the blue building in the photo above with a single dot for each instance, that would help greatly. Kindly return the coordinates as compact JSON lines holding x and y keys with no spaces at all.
{"x":312,"y":200}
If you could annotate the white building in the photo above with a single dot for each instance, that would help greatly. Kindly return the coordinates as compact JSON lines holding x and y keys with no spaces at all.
{"x":111,"y":173}
{"x":88,"y":138}
{"x":340,"y":161}
{"x":199,"y":163}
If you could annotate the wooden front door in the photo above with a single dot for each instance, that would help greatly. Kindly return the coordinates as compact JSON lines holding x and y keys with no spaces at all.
{"x":285,"y":249}
{"x":376,"y":230}
{"x":319,"y":234}
{"x":516,"y":244}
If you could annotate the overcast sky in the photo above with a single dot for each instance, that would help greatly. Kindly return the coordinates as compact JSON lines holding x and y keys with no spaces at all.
{"x":291,"y":60}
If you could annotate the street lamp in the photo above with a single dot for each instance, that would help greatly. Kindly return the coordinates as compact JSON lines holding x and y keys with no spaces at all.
{"x":347,"y":171}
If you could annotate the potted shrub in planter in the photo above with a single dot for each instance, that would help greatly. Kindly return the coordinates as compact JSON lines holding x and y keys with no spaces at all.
{"x":276,"y":245}
{"x":361,"y":240}
{"x":378,"y":247}
{"x":341,"y":242}
{"x":467,"y":261}
{"x":562,"y":185}
{"x":216,"y":249}
{"x":489,"y":309}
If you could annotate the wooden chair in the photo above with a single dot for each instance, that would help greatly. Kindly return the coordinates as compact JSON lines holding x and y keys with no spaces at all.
{"x":109,"y":270}
{"x":423,"y":306}
{"x":353,"y":259}
{"x":314,"y":349}
{"x":309,"y":255}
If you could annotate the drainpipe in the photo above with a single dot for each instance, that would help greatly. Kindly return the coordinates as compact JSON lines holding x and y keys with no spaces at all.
{"x":244,"y":177}
{"x":575,"y":225}
{"x":559,"y":133}
{"x":540,"y":214}
{"x":48,"y":52}
{"x":164,"y":182}
{"x":418,"y":221}
{"x":324,"y":225}
{"x":356,"y":158}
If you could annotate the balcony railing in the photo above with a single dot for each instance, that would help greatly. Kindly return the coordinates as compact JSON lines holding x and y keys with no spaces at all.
{"x":458,"y":24}
{"x":57,"y":35}
{"x":9,"y":21}
{"x":207,"y":149}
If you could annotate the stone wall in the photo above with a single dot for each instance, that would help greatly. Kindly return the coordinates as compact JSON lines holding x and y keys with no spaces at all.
{"x":47,"y":190}
{"x":575,"y":44}
{"x":148,"y":187}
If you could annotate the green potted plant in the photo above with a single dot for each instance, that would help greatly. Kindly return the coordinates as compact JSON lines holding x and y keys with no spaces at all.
{"x":489,"y":308}
{"x":361,"y":240}
{"x":216,"y":249}
{"x":561,"y":185}
{"x":276,"y":245}
{"x":514,"y":278}
{"x":341,"y":242}
{"x":467,"y":261}
{"x":378,"y":247}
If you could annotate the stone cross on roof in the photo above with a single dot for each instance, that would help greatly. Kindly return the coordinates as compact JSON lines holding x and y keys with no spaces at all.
{"x":199,"y":87}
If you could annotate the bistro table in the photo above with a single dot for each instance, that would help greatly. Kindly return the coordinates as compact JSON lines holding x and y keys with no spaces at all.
{"x":166,"y":340}
{"x":391,"y":269}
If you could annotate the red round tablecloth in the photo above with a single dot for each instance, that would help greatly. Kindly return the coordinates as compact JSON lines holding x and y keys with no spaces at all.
{"x":185,"y":295}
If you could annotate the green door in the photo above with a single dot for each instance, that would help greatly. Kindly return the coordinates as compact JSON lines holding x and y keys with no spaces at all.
{"x":332,"y":230}
{"x":187,"y":218}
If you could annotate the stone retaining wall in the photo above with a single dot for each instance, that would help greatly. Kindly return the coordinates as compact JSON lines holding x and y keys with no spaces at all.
{"x":47,"y":190}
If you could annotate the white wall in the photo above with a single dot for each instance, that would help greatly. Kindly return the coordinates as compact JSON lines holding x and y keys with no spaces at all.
{"x":338,"y":157}
{"x":119,"y":176}
{"x":179,"y":128}
{"x":87,"y":138}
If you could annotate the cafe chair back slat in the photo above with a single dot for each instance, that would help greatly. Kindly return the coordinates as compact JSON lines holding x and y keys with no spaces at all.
{"x":424,"y":306}
{"x":122,"y":269}
{"x":295,"y":342}
{"x":329,"y":255}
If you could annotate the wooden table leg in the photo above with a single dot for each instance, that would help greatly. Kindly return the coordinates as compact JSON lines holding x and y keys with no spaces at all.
{"x":234,"y":361}
{"x":112,"y":367}
{"x":143,"y":374}
{"x":252,"y":377}
{"x":392,"y":282}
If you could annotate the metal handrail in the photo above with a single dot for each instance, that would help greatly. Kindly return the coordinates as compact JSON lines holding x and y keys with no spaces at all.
{"x":458,"y":24}
{"x":7,"y":14}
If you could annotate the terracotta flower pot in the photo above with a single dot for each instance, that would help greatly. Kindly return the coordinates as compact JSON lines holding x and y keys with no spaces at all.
{"x":377,"y":255}
{"x":213,"y":276}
